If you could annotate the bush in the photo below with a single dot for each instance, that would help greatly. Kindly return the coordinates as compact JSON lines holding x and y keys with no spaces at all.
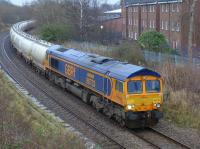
{"x":56,"y":32}
{"x":154,"y":41}
{"x":130,"y":52}
{"x":183,"y":84}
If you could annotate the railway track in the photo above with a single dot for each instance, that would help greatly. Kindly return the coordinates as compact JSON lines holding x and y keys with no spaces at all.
{"x":157,"y":139}
{"x":106,"y":140}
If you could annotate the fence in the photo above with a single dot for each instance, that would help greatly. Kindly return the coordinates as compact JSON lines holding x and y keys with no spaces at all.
{"x":176,"y":59}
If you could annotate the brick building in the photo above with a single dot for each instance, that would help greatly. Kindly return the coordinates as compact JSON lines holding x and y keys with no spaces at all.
{"x":112,"y":23}
{"x":171,"y":17}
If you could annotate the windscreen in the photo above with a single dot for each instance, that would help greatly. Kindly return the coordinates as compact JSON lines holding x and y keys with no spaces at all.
{"x":153,"y":86}
{"x":135,"y":87}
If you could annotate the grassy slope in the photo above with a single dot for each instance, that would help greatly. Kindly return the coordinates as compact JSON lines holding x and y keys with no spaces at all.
{"x":22,"y":125}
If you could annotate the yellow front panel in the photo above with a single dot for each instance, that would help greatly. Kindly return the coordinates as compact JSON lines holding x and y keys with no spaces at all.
{"x":144,"y":101}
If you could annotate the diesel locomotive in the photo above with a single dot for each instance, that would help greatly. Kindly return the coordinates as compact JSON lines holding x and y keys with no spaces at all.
{"x":130,"y":94}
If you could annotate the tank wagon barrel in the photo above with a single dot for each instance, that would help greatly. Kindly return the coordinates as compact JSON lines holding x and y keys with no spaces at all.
{"x":30,"y":47}
{"x":132,"y":95}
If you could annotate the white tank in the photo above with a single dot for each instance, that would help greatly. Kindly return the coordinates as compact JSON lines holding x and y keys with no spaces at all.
{"x":31,"y":48}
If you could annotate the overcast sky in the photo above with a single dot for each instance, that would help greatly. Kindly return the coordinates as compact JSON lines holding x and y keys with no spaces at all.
{"x":21,"y":2}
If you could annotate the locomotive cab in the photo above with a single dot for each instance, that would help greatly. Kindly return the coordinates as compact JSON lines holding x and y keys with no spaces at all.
{"x":144,"y":96}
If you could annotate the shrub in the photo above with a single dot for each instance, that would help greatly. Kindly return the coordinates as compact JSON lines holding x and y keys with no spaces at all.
{"x":56,"y":32}
{"x":181,"y":77}
{"x":130,"y":52}
{"x":154,"y":41}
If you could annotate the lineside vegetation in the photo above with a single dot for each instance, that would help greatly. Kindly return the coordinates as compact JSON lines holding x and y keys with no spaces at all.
{"x":23,"y":125}
{"x":56,"y":32}
{"x":183,"y":85}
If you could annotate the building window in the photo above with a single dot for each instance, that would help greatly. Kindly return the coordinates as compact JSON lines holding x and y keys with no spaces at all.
{"x":150,"y":24}
{"x":153,"y":7}
{"x":178,"y":27}
{"x":166,"y":25}
{"x":130,"y":21}
{"x":150,"y":8}
{"x":173,"y":26}
{"x":173,"y":7}
{"x":153,"y":23}
{"x":162,"y":25}
{"x":163,"y":8}
{"x":166,"y":8}
{"x":135,"y":36}
{"x":130,"y":34}
{"x":175,"y":44}
{"x":177,"y":7}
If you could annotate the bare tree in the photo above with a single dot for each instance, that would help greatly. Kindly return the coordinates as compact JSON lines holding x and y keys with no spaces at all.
{"x":191,"y":29}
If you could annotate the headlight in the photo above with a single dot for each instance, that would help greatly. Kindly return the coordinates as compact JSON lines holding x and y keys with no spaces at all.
{"x":130,"y":107}
{"x":157,"y":105}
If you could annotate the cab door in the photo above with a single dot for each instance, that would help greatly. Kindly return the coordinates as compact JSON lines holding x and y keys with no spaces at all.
{"x":119,"y":91}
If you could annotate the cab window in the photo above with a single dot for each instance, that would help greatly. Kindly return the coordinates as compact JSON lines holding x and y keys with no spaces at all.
{"x":135,"y":87}
{"x":119,"y":86}
{"x":153,"y":86}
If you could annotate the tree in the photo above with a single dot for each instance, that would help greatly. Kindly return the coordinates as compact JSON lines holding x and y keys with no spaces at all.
{"x":154,"y":41}
{"x":129,"y":51}
{"x":56,"y":32}
{"x":191,"y":29}
{"x":81,"y":14}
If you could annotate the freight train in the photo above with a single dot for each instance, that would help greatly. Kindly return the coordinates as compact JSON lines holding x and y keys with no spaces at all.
{"x":130,"y":94}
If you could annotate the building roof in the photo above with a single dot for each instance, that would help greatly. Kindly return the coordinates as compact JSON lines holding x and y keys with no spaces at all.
{"x":147,"y":2}
{"x":113,"y":11}
{"x":105,"y":65}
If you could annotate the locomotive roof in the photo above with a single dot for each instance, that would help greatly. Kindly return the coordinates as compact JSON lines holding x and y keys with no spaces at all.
{"x":105,"y":65}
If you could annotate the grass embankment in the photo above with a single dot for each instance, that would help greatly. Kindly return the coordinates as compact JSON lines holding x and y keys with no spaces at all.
{"x":23,"y":125}
{"x":181,"y":82}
